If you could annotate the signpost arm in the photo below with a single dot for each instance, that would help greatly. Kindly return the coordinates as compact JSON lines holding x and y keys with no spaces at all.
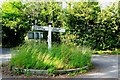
{"x":49,"y":35}
{"x":49,"y":29}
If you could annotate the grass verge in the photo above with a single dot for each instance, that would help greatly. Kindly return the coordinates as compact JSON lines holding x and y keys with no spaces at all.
{"x":35,"y":55}
{"x":115,"y":52}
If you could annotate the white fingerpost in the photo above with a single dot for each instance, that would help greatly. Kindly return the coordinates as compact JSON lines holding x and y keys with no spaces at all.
{"x":49,"y":35}
{"x":50,"y":30}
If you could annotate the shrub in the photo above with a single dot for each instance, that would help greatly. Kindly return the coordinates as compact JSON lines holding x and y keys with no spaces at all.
{"x":35,"y":55}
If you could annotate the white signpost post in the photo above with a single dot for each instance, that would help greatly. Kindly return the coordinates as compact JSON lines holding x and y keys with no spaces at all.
{"x":49,"y":29}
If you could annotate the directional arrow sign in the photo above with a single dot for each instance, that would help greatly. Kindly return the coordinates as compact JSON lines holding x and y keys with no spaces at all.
{"x":46,"y":28}
{"x":58,"y":30}
{"x":42,"y":28}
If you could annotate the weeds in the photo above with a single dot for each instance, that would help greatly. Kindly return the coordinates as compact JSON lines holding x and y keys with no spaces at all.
{"x":35,"y":55}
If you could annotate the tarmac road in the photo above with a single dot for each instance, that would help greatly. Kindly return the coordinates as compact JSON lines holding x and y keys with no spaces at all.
{"x":4,"y":54}
{"x":106,"y":66}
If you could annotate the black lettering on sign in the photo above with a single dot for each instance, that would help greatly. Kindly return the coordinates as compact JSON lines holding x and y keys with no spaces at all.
{"x":40,"y":28}
{"x":56,"y":29}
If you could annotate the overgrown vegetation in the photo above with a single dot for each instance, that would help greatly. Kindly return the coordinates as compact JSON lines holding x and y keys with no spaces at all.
{"x":88,"y":24}
{"x":35,"y":55}
{"x":85,"y":23}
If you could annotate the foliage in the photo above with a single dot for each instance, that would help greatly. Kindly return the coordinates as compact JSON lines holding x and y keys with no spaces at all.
{"x":35,"y":55}
{"x":80,"y":23}
{"x":85,"y":23}
{"x":114,"y":52}
{"x":18,"y":18}
{"x":88,"y":25}
{"x":109,"y":30}
{"x":14,"y":23}
{"x":43,"y":12}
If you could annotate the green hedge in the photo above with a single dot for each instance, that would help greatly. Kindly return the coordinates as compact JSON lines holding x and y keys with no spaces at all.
{"x":85,"y":23}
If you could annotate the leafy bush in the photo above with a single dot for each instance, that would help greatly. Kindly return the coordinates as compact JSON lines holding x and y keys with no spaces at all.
{"x":35,"y":55}
{"x":85,"y":22}
{"x":15,"y":23}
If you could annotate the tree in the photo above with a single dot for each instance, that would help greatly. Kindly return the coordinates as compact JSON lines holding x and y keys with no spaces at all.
{"x":18,"y":18}
{"x":14,"y":23}
{"x":85,"y":22}
{"x":80,"y":20}
{"x":109,"y":30}
{"x":88,"y":25}
{"x":44,"y":12}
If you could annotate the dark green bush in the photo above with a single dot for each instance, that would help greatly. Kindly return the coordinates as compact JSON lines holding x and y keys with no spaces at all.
{"x":87,"y":24}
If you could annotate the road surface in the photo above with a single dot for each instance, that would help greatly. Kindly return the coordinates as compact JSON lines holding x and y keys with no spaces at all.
{"x":106,"y":66}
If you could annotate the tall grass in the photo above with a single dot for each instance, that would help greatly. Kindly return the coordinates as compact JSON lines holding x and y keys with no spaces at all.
{"x":35,"y":55}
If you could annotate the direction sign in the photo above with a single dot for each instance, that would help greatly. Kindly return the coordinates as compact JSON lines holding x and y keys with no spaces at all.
{"x":58,"y":30}
{"x":42,"y":28}
{"x":35,"y":35}
{"x":45,"y":28}
{"x":49,"y":29}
